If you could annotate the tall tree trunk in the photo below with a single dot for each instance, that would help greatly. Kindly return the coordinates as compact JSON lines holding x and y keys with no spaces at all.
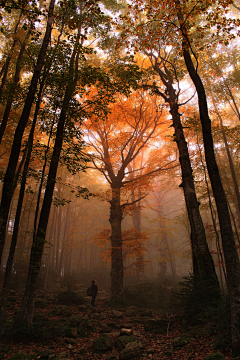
{"x":7,"y":191}
{"x":228,"y":242}
{"x":38,"y":244}
{"x":202,"y":260}
{"x":115,"y":220}
{"x":8,"y":271}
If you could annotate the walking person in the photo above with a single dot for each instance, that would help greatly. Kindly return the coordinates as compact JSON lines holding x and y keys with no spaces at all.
{"x":94,"y":292}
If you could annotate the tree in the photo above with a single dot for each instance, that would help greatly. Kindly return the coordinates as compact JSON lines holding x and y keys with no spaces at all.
{"x":115,"y":142}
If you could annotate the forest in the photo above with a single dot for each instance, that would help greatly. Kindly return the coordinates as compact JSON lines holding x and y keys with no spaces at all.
{"x":119,"y":162}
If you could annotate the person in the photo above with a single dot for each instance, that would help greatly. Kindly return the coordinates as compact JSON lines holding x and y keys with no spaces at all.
{"x":94,"y":292}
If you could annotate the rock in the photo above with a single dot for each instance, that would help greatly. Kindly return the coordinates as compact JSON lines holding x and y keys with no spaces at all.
{"x":122,"y":341}
{"x":82,"y":307}
{"x":179,"y":342}
{"x":62,"y":355}
{"x":69,"y":346}
{"x":126,"y":332}
{"x":46,"y":353}
{"x":71,"y":341}
{"x":126,"y":326}
{"x":103,"y":316}
{"x":117,"y":314}
{"x":131,"y":351}
{"x":12,"y":293}
{"x":102,"y":344}
{"x":105,"y":328}
{"x":51,"y":356}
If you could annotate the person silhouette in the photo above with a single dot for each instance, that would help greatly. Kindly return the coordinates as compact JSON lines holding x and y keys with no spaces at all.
{"x":94,"y":292}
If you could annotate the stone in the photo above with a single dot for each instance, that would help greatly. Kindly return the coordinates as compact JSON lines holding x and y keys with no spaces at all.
{"x":103,"y":316}
{"x":126,"y":326}
{"x":179,"y":342}
{"x":69,"y":346}
{"x":131,"y":351}
{"x":82,"y":307}
{"x":46,"y":353}
{"x":117,"y":314}
{"x":62,"y":355}
{"x":122,"y":341}
{"x":126,"y":332}
{"x":102,"y":344}
{"x":105,"y":328}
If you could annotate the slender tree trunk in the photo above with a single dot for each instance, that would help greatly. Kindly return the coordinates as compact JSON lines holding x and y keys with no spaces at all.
{"x":7,"y":191}
{"x":115,"y":220}
{"x":38,"y":244}
{"x":8,"y":271}
{"x":228,"y":242}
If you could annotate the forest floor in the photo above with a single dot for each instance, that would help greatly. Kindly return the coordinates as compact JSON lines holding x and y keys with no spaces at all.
{"x":82,"y":332}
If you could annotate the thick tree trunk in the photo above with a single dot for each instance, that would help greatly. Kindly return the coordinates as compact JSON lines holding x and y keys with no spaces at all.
{"x":39,"y":241}
{"x":115,"y":220}
{"x":7,"y":191}
{"x":228,"y":242}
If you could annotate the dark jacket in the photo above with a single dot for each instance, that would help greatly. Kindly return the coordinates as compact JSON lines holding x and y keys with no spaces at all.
{"x":94,"y":290}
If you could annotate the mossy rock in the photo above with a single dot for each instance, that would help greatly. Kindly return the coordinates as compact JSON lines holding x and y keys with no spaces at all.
{"x":122,"y":341}
{"x":216,"y":356}
{"x":179,"y":342}
{"x":102,"y":344}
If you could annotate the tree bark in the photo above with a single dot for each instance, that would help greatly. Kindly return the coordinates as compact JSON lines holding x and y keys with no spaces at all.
{"x":39,"y":241}
{"x":8,"y":271}
{"x":115,"y":220}
{"x":7,"y":191}
{"x":228,"y":242}
{"x":202,"y":260}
